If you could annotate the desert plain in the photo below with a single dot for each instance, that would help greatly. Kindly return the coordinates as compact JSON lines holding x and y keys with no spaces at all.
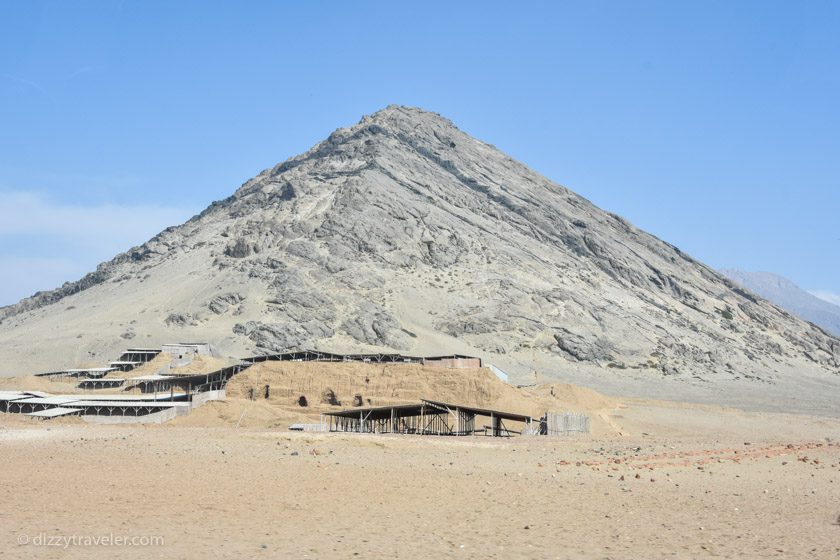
{"x":654,"y":479}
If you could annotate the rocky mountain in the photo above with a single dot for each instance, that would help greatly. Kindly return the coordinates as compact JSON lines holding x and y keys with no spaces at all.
{"x":403,"y":233}
{"x":790,"y":297}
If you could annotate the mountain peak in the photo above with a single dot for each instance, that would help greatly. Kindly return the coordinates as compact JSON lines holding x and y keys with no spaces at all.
{"x":404,"y":116}
{"x":392,"y":141}
{"x":403,"y":233}
{"x":397,"y":121}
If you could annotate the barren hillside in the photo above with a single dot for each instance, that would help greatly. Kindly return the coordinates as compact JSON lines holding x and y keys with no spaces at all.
{"x":404,"y":233}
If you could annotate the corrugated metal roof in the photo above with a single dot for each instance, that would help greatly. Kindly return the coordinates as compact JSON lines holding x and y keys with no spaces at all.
{"x":380,"y":412}
{"x":481,"y":411}
{"x":154,"y":377}
{"x":138,"y":404}
{"x":54,"y":412}
{"x":131,"y":399}
{"x":48,"y":400}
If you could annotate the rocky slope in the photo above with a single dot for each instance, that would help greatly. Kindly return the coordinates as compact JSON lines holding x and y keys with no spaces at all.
{"x":789,"y":296}
{"x":404,"y":233}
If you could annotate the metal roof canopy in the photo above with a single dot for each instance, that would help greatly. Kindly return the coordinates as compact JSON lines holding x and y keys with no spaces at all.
{"x":71,"y":372}
{"x":49,"y":400}
{"x":183,"y":378}
{"x":153,"y":377}
{"x":54,"y":412}
{"x":13,"y":395}
{"x":27,"y":398}
{"x":431,"y":407}
{"x":318,"y":356}
{"x":384,"y":412}
{"x":130,"y":399}
{"x":130,"y":404}
{"x":481,"y":411}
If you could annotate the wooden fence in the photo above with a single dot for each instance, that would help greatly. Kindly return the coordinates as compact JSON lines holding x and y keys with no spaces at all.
{"x":561,"y":424}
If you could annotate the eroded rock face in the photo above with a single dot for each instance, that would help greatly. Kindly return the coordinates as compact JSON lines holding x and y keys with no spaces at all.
{"x":179,"y":320}
{"x":283,"y":336}
{"x":583,"y":348}
{"x":223,"y":302}
{"x":374,"y":325}
{"x":402,"y":233}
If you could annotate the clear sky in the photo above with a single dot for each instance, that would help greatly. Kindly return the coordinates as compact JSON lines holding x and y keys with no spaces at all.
{"x":714,"y":125}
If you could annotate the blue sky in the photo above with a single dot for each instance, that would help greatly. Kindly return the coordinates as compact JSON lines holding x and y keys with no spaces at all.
{"x":714,"y":125}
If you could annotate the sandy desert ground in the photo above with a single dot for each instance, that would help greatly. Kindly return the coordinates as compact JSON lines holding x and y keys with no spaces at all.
{"x":681,"y":481}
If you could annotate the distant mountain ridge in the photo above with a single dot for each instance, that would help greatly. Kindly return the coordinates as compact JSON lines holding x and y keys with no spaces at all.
{"x":787,"y":295}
